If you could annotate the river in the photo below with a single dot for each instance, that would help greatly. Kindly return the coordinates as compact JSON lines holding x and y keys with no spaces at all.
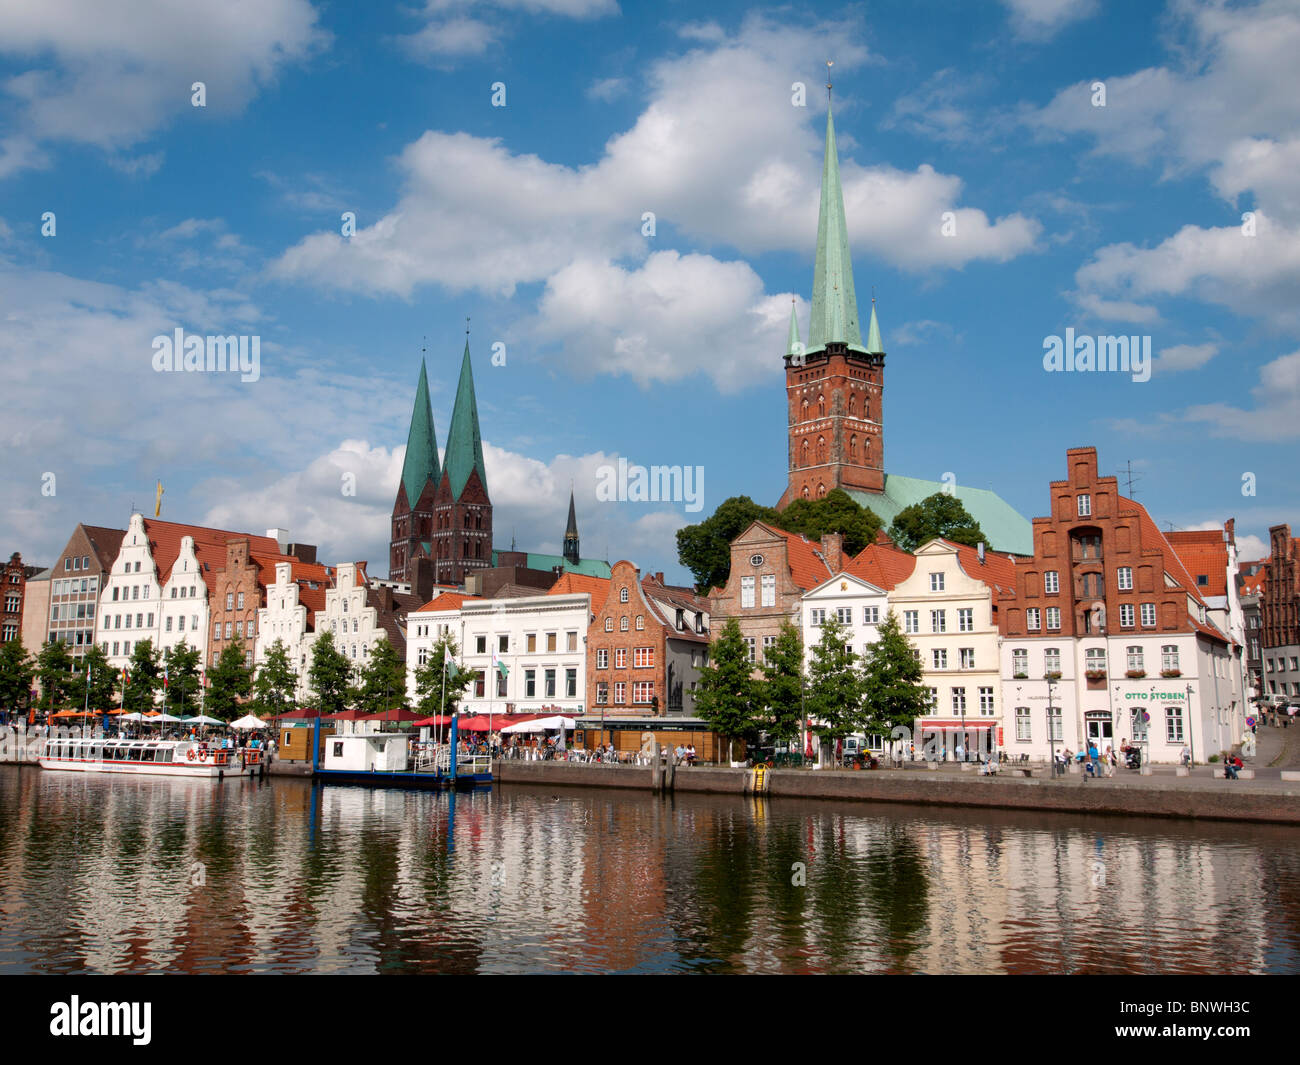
{"x":110,"y":875}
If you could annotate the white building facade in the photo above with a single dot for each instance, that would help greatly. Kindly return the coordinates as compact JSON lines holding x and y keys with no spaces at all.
{"x":130,"y":602}
{"x":354,"y":625}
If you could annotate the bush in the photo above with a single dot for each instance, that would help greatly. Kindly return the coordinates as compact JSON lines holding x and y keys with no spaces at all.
{"x":1214,"y":758}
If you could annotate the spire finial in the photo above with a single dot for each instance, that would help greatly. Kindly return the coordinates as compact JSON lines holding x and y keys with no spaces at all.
{"x":829,"y":63}
{"x":467,"y":327}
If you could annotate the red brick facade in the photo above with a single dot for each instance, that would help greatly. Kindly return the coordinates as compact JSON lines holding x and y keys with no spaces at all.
{"x":1094,"y":542}
{"x":461,"y":541}
{"x":1280,"y":603}
{"x":835,"y":422}
{"x":13,"y":586}
{"x":236,"y":597}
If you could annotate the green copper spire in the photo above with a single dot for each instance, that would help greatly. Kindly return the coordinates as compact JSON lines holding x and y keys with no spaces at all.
{"x":834,"y":303}
{"x":874,"y":347}
{"x":464,"y":444}
{"x":421,"y":464}
{"x":793,"y":347}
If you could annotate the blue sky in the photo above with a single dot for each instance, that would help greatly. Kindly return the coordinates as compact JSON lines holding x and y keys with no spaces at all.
{"x":1122,"y":219}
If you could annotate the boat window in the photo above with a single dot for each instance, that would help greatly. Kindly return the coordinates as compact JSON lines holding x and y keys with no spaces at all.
{"x":134,"y":755}
{"x":165,"y":755}
{"x":147,"y":754}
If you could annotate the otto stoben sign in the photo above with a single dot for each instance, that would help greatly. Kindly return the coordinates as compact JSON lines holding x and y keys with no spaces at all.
{"x":1156,"y":697}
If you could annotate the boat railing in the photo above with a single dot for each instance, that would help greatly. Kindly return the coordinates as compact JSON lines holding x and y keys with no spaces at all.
{"x":473,"y":764}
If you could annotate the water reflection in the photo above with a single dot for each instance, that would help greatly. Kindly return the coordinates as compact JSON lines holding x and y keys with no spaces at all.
{"x":137,"y":875}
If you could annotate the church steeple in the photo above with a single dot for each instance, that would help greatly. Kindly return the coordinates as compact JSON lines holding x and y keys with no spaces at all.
{"x":571,"y":552}
{"x":834,"y":302}
{"x":793,"y":346}
{"x":874,"y":346}
{"x":421,"y":464}
{"x":464,"y":442}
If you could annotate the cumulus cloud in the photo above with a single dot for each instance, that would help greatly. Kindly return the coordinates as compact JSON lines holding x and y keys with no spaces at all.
{"x":1276,"y":413}
{"x":111,"y":82}
{"x":1184,"y":357}
{"x":450,"y":31}
{"x":1038,"y":20}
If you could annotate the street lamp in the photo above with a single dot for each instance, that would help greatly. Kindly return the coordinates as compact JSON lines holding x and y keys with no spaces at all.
{"x":1051,"y":732}
{"x":1191,"y":732}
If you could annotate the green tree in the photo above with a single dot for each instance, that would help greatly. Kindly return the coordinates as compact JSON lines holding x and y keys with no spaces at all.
{"x":276,"y":684}
{"x":228,"y":681}
{"x":383,"y":679}
{"x":144,"y":678}
{"x":834,"y":693}
{"x":893,"y":694}
{"x":727,"y":694}
{"x":781,"y":689}
{"x":434,"y":693}
{"x":938,"y":515}
{"x":102,"y":680}
{"x":705,"y":548}
{"x":16,"y":673}
{"x":836,"y":512}
{"x":330,"y":675}
{"x":54,"y":671}
{"x":183,"y":681}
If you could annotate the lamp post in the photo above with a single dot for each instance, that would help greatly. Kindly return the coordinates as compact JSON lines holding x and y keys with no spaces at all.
{"x":1191,"y":732}
{"x":1051,"y":732}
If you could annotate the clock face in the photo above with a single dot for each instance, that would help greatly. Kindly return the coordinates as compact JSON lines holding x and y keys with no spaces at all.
{"x":755,"y":560}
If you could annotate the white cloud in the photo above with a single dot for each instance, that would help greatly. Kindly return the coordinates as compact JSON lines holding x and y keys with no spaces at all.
{"x":1184,"y":357}
{"x":1116,"y":310}
{"x":450,"y":32}
{"x":1042,"y":19}
{"x":113,"y":81}
{"x":608,"y":89}
{"x":1276,"y":414}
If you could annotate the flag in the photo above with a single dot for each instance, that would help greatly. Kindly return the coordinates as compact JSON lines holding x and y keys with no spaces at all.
{"x":126,"y":677}
{"x":449,"y":668}
{"x":500,"y":667}
{"x":157,"y":505}
{"x":203,"y":678}
{"x":166,"y":678}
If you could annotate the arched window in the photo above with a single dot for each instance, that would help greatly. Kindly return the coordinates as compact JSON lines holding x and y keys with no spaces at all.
{"x":821,"y":449}
{"x":821,"y":490}
{"x":853,"y":403}
{"x":804,"y":409}
{"x":853,"y":448}
{"x":803,"y":454}
{"x":805,"y":491}
{"x":622,"y":595}
{"x":821,"y":406}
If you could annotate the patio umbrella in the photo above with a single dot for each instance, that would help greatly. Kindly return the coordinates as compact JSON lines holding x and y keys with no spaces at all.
{"x":200,"y":719}
{"x":248,"y":721}
{"x":541,"y":724}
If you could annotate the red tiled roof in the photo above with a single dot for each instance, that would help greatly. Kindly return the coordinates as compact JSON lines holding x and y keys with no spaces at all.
{"x":1203,"y":552}
{"x":447,"y":601}
{"x":1253,"y":583}
{"x":807,"y":566}
{"x":1153,"y":538}
{"x":998,"y":571}
{"x":165,"y":543}
{"x":577,"y":583}
{"x":881,"y":564}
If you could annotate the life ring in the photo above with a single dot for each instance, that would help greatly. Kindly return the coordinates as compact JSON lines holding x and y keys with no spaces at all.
{"x":203,"y":756}
{"x":190,"y":755}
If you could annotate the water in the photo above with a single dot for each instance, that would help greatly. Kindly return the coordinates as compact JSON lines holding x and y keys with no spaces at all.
{"x":112,"y":875}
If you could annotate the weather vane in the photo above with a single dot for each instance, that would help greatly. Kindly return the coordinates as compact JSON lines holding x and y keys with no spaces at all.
{"x":829,"y":63}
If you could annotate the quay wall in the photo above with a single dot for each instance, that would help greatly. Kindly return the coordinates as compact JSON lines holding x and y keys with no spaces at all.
{"x":1213,"y":800}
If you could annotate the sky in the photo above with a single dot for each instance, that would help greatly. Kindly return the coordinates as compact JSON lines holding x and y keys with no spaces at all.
{"x":621,"y":198}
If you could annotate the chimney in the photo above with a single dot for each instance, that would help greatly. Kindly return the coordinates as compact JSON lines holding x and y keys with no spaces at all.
{"x":833,"y":551}
{"x":660,"y":576}
{"x":281,"y":537}
{"x":981,"y":552}
{"x":1230,"y":527}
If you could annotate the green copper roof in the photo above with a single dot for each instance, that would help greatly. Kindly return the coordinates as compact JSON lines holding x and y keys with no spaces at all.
{"x":1007,"y":530}
{"x":464,"y":442}
{"x":834,"y":303}
{"x":873,"y":334}
{"x":421,"y":464}
{"x":793,"y":347}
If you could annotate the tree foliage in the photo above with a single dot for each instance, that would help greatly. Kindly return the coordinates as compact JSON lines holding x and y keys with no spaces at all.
{"x":893,"y":693}
{"x":382,"y":683}
{"x":144,"y":672}
{"x":330,"y":675}
{"x":183,"y":683}
{"x":434,"y":693}
{"x":781,"y":690}
{"x":101,"y":679}
{"x":726,"y":695}
{"x":17,"y":670}
{"x":938,"y":515}
{"x":834,"y":692}
{"x":54,"y":671}
{"x":705,"y":548}
{"x":229,"y":681}
{"x":276,"y":682}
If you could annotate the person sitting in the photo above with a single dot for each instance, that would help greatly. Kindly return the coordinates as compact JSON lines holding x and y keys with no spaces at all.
{"x":1230,"y":768}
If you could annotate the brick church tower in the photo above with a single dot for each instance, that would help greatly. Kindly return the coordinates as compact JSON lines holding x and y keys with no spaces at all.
{"x":834,"y":384}
{"x":462,"y":509}
{"x":413,"y":508}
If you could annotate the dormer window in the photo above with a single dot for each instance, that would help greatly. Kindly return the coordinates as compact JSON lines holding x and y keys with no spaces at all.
{"x":622,"y":595}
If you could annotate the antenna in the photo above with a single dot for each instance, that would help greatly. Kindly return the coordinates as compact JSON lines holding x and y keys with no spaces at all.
{"x":1129,"y":479}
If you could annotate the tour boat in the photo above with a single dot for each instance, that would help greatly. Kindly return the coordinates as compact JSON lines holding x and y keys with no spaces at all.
{"x":169,"y":758}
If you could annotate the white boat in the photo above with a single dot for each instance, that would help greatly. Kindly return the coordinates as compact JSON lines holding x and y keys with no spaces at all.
{"x":168,"y":758}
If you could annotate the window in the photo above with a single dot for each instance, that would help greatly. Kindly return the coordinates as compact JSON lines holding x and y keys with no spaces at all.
{"x":817,"y":616}
{"x":911,"y":621}
{"x":1174,"y":724}
{"x":1125,"y":578}
{"x":643,"y":657}
{"x":239,"y":630}
{"x":871,"y":615}
{"x":1134,"y":657}
{"x":622,"y":595}
{"x":1148,"y":615}
{"x":1052,"y":660}
{"x":768,"y":643}
{"x":1054,"y":723}
{"x":844,"y":615}
{"x":769,"y":589}
{"x":530,"y":683}
{"x":643,"y":691}
{"x":570,"y":683}
{"x":1169,"y":657}
{"x":167,"y":627}
{"x":620,"y":658}
{"x":1126,"y":615}
{"x":602,"y":692}
{"x":345,"y":604}
{"x":1095,"y":659}
{"x":622,"y":623}
{"x":1023,"y":732}
{"x":479,"y":683}
{"x":531,"y":644}
{"x":1051,"y":582}
{"x":422,"y":657}
{"x":241,"y":600}
{"x":620,"y":692}
{"x":480,"y":645}
{"x":115,"y":591}
{"x":966,"y":619}
{"x":746,"y":592}
{"x":940,"y":657}
{"x":602,"y":659}
{"x":959,"y":700}
{"x":1032,"y":619}
{"x":228,"y":628}
{"x":936,"y":582}
{"x":986,"y":702}
{"x":230,"y":602}
{"x":135,"y":591}
{"x":1053,"y":619}
{"x":503,"y":644}
{"x":548,"y":683}
{"x":609,"y":624}
{"x":640,"y":624}
{"x":938,"y":621}
{"x":552,"y":638}
{"x":173,"y":591}
{"x":934,"y":698}
{"x":1085,"y":506}
{"x":1020,"y":662}
{"x":749,"y":646}
{"x":967,"y":657}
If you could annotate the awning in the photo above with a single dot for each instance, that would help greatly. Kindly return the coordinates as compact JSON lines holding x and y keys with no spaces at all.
{"x":939,"y":725}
